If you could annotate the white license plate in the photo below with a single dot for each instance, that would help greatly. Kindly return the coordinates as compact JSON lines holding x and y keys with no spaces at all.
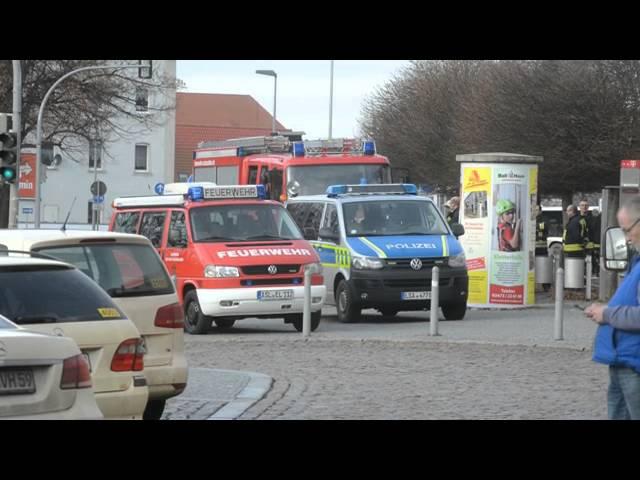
{"x":416,"y":295}
{"x":268,"y":295}
{"x":16,"y":381}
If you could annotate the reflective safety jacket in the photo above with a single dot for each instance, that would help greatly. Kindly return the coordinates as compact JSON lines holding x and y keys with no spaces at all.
{"x":620,"y":347}
{"x":541,"y":233}
{"x":575,"y":235}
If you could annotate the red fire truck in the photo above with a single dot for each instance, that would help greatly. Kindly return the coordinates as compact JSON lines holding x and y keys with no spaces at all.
{"x":288,"y":166}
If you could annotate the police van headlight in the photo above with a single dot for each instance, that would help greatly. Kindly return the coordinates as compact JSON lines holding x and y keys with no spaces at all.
{"x":457,"y":260}
{"x":367,"y":263}
{"x":220,"y":271}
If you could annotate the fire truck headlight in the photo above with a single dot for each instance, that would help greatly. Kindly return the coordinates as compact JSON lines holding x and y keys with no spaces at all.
{"x":219,"y":271}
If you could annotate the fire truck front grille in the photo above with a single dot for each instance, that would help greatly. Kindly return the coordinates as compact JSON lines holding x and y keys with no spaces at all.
{"x":264,"y":269}
{"x":272,"y":281}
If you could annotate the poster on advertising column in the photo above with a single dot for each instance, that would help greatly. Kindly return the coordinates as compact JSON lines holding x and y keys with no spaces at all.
{"x":497,"y":212}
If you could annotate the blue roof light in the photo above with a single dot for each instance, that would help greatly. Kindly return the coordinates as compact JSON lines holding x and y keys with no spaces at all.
{"x":195,"y":193}
{"x":410,"y":188}
{"x":369,"y":147}
{"x":335,"y":190}
{"x":298,"y":149}
{"x":241,"y":152}
{"x":262,"y":192}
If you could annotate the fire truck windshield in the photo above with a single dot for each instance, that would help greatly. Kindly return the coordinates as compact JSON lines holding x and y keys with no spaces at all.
{"x":392,"y":217}
{"x":240,"y":222}
{"x":314,"y":179}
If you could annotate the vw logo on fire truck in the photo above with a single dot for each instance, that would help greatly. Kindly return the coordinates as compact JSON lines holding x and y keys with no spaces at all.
{"x":272,"y":269}
{"x":416,"y":264}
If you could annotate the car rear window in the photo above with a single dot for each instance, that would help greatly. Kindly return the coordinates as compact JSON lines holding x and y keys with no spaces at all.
{"x":51,"y":294}
{"x":122,"y":270}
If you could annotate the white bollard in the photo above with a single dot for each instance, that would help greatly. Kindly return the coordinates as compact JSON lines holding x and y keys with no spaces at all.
{"x":306,"y":309}
{"x":435,"y":288}
{"x":587,"y":293}
{"x":557,"y":323}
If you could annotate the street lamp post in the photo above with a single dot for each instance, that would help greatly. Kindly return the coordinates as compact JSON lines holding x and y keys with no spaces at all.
{"x":330,"y":100}
{"x":271,"y":73}
{"x":36,"y":209}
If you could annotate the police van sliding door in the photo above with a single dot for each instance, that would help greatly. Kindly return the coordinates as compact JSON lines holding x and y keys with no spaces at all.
{"x":328,"y":250}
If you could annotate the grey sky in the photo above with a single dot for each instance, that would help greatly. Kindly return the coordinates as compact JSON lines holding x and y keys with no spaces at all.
{"x":303,"y":88}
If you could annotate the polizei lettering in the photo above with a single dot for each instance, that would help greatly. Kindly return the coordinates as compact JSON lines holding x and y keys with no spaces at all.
{"x":264,"y":252}
{"x":410,"y":245}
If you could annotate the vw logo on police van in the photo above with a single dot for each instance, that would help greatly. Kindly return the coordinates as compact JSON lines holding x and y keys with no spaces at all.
{"x":416,"y":264}
{"x":272,"y":269}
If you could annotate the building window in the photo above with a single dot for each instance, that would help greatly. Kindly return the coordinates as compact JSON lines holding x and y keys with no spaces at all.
{"x":95,"y":154}
{"x":142,"y":99}
{"x":142,"y":157}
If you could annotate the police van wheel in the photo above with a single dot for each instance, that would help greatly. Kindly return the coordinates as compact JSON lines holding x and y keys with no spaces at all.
{"x":348,"y":311}
{"x":224,"y":322}
{"x":454,"y":311}
{"x":315,"y":321}
{"x":195,"y":322}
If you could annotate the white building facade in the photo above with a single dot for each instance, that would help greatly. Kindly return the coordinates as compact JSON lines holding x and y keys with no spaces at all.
{"x":127,"y":166}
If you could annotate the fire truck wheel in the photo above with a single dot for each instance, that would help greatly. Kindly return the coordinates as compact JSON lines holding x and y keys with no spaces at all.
{"x":348,"y":311}
{"x":315,"y":321}
{"x":224,"y":322}
{"x":195,"y":322}
{"x":454,"y":311}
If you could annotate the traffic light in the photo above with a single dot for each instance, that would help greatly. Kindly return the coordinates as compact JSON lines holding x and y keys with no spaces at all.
{"x":9,"y":156}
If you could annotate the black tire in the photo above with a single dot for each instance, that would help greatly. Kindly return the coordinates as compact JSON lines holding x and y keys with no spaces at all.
{"x":348,"y":310}
{"x":154,"y":409}
{"x":454,"y":311}
{"x":389,"y":312}
{"x":224,"y":323}
{"x":195,"y":322}
{"x":315,"y":321}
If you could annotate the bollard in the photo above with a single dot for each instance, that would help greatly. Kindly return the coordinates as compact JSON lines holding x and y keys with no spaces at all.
{"x":587,"y":293}
{"x":433,"y":322}
{"x":557,"y":323}
{"x":306,"y":309}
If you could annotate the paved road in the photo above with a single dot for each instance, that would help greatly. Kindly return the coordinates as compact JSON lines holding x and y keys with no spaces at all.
{"x":492,"y":365}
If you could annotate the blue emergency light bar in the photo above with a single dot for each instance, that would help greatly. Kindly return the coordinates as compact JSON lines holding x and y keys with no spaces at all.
{"x":225,"y":192}
{"x":379,"y":189}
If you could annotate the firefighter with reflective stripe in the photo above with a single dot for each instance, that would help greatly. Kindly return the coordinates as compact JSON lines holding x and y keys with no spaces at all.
{"x":542,"y":232}
{"x":593,"y":233}
{"x":575,"y":236}
{"x":508,"y":228}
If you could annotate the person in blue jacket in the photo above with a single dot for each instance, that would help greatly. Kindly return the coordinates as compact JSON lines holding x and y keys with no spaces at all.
{"x":617,"y":341}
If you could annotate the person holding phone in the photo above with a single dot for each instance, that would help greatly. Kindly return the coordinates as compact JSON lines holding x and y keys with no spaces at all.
{"x":617,"y":342}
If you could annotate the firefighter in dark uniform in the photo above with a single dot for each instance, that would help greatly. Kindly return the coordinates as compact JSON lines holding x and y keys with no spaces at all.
{"x":592,"y":224}
{"x":575,"y":235}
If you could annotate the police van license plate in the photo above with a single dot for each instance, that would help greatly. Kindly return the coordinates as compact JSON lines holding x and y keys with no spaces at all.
{"x":416,"y":295}
{"x":267,"y":295}
{"x":16,"y":380}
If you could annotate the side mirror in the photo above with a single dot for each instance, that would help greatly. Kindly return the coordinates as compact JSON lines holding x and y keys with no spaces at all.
{"x":616,"y":251}
{"x":457,"y":229}
{"x":310,"y":233}
{"x":329,"y":234}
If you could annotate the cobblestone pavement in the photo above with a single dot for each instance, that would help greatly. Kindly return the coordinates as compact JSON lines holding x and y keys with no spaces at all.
{"x":492,"y":365}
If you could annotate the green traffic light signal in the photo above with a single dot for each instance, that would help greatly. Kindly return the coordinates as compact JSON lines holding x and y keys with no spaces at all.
{"x":8,"y":174}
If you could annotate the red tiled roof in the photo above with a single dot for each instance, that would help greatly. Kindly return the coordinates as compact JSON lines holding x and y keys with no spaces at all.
{"x":213,"y":116}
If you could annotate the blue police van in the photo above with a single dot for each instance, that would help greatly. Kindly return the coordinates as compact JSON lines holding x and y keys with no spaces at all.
{"x":378,"y":244}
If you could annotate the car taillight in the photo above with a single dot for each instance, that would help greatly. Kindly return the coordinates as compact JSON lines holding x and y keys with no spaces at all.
{"x":170,"y":316}
{"x":129,"y":356}
{"x":75,"y":373}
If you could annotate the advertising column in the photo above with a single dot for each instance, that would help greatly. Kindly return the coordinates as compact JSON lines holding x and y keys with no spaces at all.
{"x":498,"y":195}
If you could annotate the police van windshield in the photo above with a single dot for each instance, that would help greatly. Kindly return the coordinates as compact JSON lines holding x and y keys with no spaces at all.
{"x":393,"y":217}
{"x":224,"y":223}
{"x":314,"y":179}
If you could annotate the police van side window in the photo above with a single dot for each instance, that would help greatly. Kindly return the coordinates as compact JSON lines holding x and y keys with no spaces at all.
{"x":314,"y":216}
{"x":153,"y":226}
{"x":177,"y":230}
{"x":331,"y":220}
{"x":126,"y":222}
{"x":298,"y":211}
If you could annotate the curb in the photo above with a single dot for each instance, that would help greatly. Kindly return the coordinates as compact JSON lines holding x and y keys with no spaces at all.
{"x":258,"y":385}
